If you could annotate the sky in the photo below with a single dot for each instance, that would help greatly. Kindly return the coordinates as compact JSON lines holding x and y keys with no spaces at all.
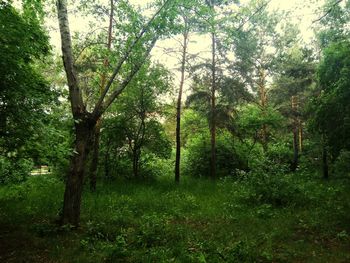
{"x":300,"y":14}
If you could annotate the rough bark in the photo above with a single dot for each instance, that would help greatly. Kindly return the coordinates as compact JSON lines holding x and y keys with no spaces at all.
{"x":84,"y":126}
{"x":179,"y":102}
{"x":74,"y":181}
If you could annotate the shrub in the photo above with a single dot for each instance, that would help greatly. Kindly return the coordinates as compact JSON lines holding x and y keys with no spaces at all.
{"x":14,"y":170}
{"x":198,"y":154}
{"x":342,"y":164}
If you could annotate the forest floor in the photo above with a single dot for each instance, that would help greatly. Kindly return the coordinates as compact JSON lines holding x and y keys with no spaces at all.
{"x":300,"y":219}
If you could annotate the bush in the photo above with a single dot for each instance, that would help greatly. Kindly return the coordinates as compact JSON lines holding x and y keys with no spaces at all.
{"x":342,"y":164}
{"x":14,"y":170}
{"x":198,"y":153}
{"x":275,"y":189}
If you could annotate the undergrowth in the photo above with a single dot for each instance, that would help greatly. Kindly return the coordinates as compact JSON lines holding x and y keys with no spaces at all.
{"x":257,"y":218}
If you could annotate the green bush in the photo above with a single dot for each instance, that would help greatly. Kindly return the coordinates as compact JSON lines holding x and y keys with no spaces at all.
{"x":198,"y":156}
{"x":342,"y":164}
{"x":279,"y":190}
{"x":14,"y":170}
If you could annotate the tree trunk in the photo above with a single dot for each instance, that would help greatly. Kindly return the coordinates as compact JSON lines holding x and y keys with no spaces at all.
{"x":213,"y":112}
{"x":96,"y":141}
{"x":135,"y":163}
{"x":74,"y":182}
{"x":294,"y":165}
{"x":84,"y":121}
{"x":295,"y":161}
{"x":178,"y":109}
{"x":324,"y":160}
{"x":263,"y":105}
{"x":300,"y":135}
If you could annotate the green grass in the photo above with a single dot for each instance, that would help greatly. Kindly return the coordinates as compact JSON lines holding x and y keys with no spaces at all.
{"x":304,"y":220}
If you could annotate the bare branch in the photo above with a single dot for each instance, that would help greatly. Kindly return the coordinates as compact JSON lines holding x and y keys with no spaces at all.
{"x":124,"y":58}
{"x":327,"y":12}
{"x":98,"y":111}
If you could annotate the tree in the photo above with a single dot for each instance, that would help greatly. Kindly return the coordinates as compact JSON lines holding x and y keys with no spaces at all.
{"x":331,"y":107}
{"x":139,"y":110}
{"x":25,"y":94}
{"x":137,"y":49}
{"x":292,"y":86}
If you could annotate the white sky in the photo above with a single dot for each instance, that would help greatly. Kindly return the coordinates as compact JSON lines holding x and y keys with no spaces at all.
{"x":300,"y":14}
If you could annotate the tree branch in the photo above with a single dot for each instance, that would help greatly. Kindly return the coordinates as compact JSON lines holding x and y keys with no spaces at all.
{"x":124,"y":58}
{"x":327,"y":12}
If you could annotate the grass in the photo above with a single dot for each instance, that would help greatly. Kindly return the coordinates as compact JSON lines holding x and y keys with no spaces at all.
{"x":303,"y":220}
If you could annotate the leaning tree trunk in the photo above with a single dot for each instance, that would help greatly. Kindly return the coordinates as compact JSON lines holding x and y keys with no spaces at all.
{"x":74,"y":182}
{"x":96,"y":141}
{"x":178,"y":109}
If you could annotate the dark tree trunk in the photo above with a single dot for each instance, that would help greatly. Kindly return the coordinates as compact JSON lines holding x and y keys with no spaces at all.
{"x":295,"y":161}
{"x":178,"y":109}
{"x":75,"y":177}
{"x":325,"y":161}
{"x":135,"y":163}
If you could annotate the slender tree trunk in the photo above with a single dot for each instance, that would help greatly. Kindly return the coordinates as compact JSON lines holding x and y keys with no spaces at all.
{"x":135,"y":163}
{"x":324,"y":159}
{"x":106,"y":161}
{"x":96,"y":141}
{"x":263,"y":104}
{"x":300,"y":129}
{"x":295,"y":150}
{"x":295,"y":135}
{"x":178,"y":109}
{"x":213,"y":111}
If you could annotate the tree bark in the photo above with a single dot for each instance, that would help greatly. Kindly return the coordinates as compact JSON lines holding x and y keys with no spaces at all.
{"x":84,"y":126}
{"x":74,"y":182}
{"x":178,"y":109}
